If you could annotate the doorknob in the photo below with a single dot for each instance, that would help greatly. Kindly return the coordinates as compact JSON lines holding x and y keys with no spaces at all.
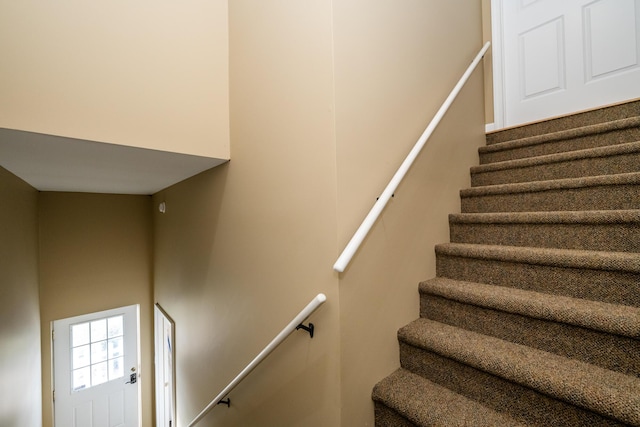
{"x":133,"y":378}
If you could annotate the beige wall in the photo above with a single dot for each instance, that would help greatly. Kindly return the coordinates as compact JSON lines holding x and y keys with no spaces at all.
{"x":95,"y":254}
{"x":395,"y":63}
{"x":20,"y":396}
{"x":243,"y":248}
{"x":326,"y":100}
{"x":146,"y":74}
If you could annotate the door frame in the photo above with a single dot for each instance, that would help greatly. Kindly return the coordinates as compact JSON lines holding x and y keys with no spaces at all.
{"x":160,"y":315}
{"x":497,"y":36}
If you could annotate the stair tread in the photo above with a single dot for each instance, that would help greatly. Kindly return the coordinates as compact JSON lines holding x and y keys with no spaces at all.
{"x":600,"y":114}
{"x":611,"y":318}
{"x":541,"y":301}
{"x":568,"y":258}
{"x":563,"y":134}
{"x":426,"y":403}
{"x":556,"y":184}
{"x":606,"y":151}
{"x":622,"y":216}
{"x":600,"y":390}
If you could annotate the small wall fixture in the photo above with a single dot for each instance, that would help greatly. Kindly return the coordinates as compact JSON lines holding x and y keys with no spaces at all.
{"x":162,"y":207}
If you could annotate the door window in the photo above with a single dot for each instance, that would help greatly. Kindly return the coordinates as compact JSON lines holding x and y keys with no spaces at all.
{"x":97,"y":352}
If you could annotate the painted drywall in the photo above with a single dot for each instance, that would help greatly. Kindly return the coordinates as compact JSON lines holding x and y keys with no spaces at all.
{"x":144,"y":74}
{"x":326,"y":100}
{"x":243,"y":248}
{"x":95,"y":254}
{"x":395,"y":63}
{"x":20,"y":386}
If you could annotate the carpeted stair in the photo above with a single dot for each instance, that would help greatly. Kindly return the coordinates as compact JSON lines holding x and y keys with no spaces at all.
{"x":534,"y":316}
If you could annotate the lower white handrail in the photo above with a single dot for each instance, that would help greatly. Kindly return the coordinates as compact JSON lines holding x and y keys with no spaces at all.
{"x":292,"y":326}
{"x":362,"y":231}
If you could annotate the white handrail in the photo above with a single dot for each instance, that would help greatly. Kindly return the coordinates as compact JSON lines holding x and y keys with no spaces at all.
{"x":292,"y":326}
{"x":362,"y":231}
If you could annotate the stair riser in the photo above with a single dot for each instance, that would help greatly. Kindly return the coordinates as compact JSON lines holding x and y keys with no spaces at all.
{"x":610,"y":165}
{"x":616,"y":112}
{"x":472,"y":340}
{"x":386,"y":417}
{"x":618,"y":287}
{"x":609,"y":351}
{"x":624,"y":237}
{"x":605,"y":197}
{"x":619,"y":136}
{"x":521,"y":403}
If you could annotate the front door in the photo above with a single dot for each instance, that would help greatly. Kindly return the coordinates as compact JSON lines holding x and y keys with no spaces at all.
{"x":570,"y":55}
{"x":96,"y":365}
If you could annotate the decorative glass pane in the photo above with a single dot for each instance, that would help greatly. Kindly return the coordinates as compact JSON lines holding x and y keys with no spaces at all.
{"x":81,"y":378}
{"x":115,"y":348}
{"x":79,"y":334}
{"x":99,"y":373}
{"x":98,"y":352}
{"x":80,"y":357}
{"x":115,"y":326}
{"x":99,"y":330}
{"x":116,"y":368}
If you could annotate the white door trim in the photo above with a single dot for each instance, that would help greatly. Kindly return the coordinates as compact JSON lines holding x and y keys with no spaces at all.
{"x":165,"y":368}
{"x":497,"y":55}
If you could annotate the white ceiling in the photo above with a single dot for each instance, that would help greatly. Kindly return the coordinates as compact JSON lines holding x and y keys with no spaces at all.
{"x":53,"y":163}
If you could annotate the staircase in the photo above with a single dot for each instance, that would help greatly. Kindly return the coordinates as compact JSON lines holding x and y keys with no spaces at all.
{"x":534,"y":316}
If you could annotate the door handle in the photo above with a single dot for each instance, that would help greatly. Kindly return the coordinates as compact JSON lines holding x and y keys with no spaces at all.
{"x":133,"y":378}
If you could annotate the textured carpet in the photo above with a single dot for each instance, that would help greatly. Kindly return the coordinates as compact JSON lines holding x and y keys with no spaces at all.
{"x":534,"y":316}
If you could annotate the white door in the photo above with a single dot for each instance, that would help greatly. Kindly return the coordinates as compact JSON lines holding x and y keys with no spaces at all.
{"x":96,"y":366}
{"x":562,"y":56}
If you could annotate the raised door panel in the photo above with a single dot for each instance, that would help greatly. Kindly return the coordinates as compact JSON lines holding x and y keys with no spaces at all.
{"x":542,"y":59}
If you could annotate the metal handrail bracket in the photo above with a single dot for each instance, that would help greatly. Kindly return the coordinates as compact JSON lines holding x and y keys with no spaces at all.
{"x":362,"y":231}
{"x":295,"y":324}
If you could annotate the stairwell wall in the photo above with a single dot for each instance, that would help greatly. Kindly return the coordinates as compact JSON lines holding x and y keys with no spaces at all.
{"x":395,"y":63}
{"x":321,"y":102}
{"x":244,"y":247}
{"x":95,"y":254}
{"x":20,"y":386}
{"x":325,"y":102}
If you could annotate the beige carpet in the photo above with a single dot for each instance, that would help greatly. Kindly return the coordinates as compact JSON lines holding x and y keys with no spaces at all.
{"x":534,"y":316}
